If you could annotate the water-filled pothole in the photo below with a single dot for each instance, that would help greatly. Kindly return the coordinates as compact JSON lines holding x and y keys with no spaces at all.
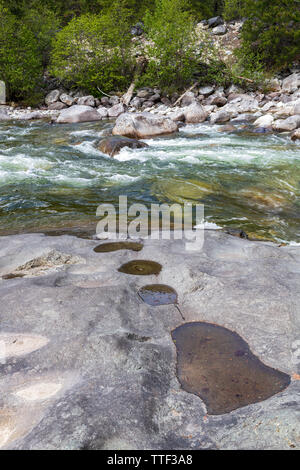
{"x":141,"y":268}
{"x":217,"y":365}
{"x":159,"y":294}
{"x":116,"y":246}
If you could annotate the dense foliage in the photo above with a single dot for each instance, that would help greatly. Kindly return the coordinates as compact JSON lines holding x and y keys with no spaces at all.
{"x":94,"y":51}
{"x":271,"y":32}
{"x":20,"y":60}
{"x":87,"y":43}
{"x":171,"y":48}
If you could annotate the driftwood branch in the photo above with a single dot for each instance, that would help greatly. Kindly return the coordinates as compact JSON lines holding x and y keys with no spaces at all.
{"x":244,"y":78}
{"x":180,"y":98}
{"x":103,"y":92}
{"x":126,"y":98}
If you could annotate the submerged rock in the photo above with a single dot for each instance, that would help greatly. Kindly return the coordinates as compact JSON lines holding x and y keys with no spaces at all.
{"x":296,"y":135}
{"x":113,"y":145}
{"x":143,"y":125}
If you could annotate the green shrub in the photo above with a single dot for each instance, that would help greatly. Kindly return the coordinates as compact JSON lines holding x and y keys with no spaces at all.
{"x":20,"y":61}
{"x":44,"y":24}
{"x":95,"y":51}
{"x":271,"y":33}
{"x":171,"y":47}
{"x":233,"y":9}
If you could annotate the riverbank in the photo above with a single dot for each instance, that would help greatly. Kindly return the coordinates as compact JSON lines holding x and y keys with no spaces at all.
{"x":92,"y":366}
{"x":277,"y":110}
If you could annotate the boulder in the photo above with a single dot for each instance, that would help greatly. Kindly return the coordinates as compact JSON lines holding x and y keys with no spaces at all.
{"x":217,"y":99}
{"x":166,"y":101}
{"x":112,"y":145}
{"x":206,"y":90}
{"x":52,"y":97}
{"x":58,"y":106}
{"x":144,"y":93}
{"x":195,"y":113}
{"x":233,"y":89}
{"x":296,"y":109}
{"x":266,"y":107}
{"x":219,"y":117}
{"x":291,"y":83}
{"x":86,"y":101}
{"x":296,"y":135}
{"x":178,"y":116}
{"x":105,"y":101}
{"x":274,"y":84}
{"x":287,"y":125}
{"x":3,"y":114}
{"x":215,"y":21}
{"x":78,"y":113}
{"x":116,"y":110}
{"x":219,"y":30}
{"x":245,"y":118}
{"x":147,"y":104}
{"x":188,"y":99}
{"x":113,"y":100}
{"x":143,"y":125}
{"x":102,"y":111}
{"x":264,"y":121}
{"x":154,"y":98}
{"x":136,"y":102}
{"x":67,"y":99}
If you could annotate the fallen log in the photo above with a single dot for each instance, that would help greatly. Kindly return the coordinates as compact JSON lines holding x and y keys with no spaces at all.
{"x":180,"y":97}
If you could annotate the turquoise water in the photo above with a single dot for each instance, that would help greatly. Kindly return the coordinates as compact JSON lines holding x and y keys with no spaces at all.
{"x":53,"y":176}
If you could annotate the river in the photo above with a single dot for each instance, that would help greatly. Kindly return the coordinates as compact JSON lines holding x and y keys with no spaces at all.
{"x":53,"y":177}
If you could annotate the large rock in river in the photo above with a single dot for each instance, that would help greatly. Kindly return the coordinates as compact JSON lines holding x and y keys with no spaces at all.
{"x":142,"y":125}
{"x":287,"y":125}
{"x":112,"y":145}
{"x":78,"y":113}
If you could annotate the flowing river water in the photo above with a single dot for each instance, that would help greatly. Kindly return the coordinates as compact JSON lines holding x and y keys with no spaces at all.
{"x":53,"y":177}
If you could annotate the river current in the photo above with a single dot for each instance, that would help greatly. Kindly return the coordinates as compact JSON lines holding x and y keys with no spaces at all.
{"x":53,"y":176}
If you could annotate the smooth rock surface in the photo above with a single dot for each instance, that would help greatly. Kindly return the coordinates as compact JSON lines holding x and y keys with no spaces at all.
{"x":78,"y":113}
{"x":99,"y":368}
{"x":143,"y":125}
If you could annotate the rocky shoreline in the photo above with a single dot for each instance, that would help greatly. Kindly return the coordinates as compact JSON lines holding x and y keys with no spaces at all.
{"x":91,"y":366}
{"x":277,"y":111}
